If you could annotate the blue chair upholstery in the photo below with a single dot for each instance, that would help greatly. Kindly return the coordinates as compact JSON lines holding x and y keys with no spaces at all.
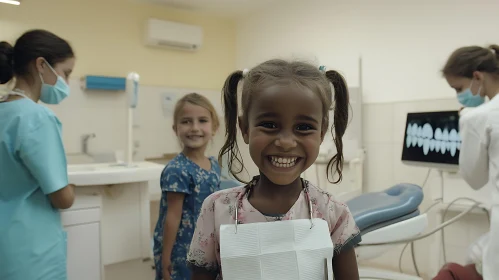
{"x":378,"y":209}
{"x":229,"y":183}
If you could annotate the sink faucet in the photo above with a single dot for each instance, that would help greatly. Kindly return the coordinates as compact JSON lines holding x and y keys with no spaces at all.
{"x":84,"y":142}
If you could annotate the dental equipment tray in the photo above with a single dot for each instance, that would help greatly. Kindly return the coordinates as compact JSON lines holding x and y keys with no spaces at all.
{"x":375,"y":210}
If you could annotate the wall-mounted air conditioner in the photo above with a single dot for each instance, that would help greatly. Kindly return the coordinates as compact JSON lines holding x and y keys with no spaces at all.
{"x":168,"y":34}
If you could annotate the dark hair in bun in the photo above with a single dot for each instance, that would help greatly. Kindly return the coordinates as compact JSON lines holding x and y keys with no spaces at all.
{"x":15,"y":61}
{"x":6,"y":62}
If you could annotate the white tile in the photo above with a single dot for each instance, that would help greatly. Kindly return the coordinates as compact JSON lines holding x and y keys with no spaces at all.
{"x":478,"y":225}
{"x":422,"y":249}
{"x":403,"y":173}
{"x":346,"y":185}
{"x":456,"y":234}
{"x":389,"y":258}
{"x":377,"y":123}
{"x":456,"y":254}
{"x":378,"y":169}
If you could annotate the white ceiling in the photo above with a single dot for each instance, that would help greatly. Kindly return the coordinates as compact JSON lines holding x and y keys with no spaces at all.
{"x":226,"y":8}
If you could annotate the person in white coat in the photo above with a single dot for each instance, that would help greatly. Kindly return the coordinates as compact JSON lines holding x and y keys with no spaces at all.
{"x":473,"y":72}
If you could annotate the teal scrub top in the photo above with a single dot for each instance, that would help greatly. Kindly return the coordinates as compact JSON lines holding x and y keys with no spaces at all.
{"x":32,"y":165}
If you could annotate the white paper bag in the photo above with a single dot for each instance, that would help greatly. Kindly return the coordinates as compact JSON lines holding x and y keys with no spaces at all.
{"x":287,"y":250}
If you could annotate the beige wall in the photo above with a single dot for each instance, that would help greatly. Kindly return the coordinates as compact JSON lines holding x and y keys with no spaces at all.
{"x":107,"y":38}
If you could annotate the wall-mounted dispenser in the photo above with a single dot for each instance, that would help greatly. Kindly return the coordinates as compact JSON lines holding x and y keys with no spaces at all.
{"x":132,"y":89}
{"x":90,"y":82}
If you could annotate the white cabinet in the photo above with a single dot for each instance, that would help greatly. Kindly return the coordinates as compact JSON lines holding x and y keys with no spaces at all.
{"x":121,"y":196}
{"x":82,"y":223}
{"x":125,"y":220}
{"x":84,"y":251}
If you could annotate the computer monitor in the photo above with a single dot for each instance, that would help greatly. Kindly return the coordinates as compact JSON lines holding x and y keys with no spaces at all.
{"x":432,"y":140}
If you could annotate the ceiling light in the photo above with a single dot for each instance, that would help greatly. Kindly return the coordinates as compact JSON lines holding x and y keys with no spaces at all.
{"x":13,"y":2}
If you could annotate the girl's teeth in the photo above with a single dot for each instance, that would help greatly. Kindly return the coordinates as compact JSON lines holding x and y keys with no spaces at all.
{"x":284,"y":162}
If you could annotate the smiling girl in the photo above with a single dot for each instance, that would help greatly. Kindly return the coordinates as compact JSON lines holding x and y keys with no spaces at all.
{"x":285,"y":116}
{"x":185,"y":182}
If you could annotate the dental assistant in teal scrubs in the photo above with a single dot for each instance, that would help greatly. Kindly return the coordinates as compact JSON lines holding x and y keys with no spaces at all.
{"x":33,"y":172}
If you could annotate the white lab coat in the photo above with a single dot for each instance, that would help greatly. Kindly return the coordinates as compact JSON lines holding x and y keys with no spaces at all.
{"x":479,"y":166}
{"x":475,"y":252}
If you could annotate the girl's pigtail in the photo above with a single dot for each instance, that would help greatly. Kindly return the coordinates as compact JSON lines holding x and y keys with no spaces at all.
{"x":231,"y":109}
{"x":341,"y":104}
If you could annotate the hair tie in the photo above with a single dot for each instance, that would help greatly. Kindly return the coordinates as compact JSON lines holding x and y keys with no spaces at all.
{"x":322,"y":68}
{"x":245,"y":72}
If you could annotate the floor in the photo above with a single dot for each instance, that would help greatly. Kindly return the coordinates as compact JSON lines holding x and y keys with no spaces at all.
{"x":138,"y":270}
{"x":132,"y":270}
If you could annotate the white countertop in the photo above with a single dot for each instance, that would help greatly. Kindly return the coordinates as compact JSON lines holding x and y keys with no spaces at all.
{"x":111,"y":173}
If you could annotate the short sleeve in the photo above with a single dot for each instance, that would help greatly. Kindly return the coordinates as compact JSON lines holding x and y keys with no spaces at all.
{"x":175,"y":180}
{"x":344,"y":231}
{"x":204,"y":245}
{"x":42,"y":152}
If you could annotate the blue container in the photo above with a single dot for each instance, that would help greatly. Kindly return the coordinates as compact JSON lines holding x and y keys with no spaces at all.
{"x":104,"y":83}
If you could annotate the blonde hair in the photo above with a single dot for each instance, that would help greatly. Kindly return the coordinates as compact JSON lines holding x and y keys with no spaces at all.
{"x":198,"y":100}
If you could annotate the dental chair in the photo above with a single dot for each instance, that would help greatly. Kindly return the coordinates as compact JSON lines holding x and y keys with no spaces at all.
{"x":388,"y":216}
{"x":227,"y":183}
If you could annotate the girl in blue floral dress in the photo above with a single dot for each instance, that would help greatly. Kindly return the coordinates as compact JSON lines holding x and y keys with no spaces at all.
{"x":185,"y":182}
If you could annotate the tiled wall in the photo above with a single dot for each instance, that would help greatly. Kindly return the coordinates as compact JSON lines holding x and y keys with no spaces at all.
{"x":105,"y":115}
{"x":383,"y":132}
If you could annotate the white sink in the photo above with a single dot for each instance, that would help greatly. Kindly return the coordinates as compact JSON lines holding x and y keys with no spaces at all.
{"x":78,"y":158}
{"x":112,"y":173}
{"x":97,"y":167}
{"x":80,"y":168}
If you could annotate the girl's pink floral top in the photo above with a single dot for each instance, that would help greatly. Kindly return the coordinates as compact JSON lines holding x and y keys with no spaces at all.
{"x":219,"y":208}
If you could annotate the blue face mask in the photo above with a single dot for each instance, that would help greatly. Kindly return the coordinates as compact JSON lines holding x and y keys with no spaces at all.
{"x":53,"y":94}
{"x":467,"y":99}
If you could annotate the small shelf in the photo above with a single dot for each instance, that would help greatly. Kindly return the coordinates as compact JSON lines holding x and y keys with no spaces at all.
{"x":104,"y":83}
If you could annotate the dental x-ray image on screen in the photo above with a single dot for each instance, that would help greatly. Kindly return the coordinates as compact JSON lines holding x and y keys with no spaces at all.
{"x":432,"y":140}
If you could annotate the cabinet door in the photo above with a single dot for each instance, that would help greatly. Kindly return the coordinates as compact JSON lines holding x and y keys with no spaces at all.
{"x":84,"y":259}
